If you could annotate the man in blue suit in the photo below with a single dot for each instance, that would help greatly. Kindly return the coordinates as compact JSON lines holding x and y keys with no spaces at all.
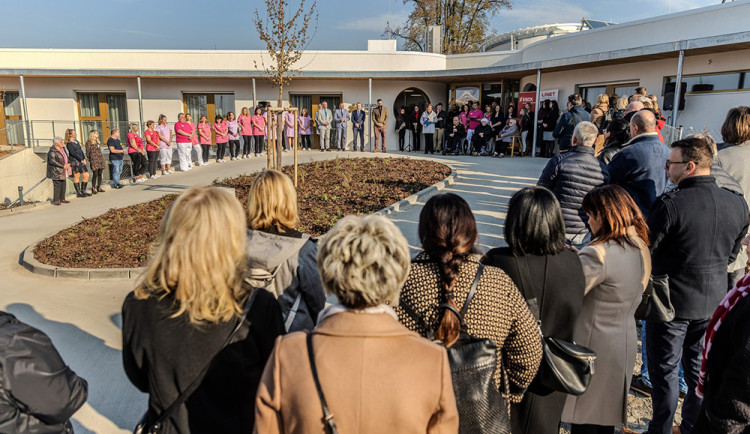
{"x":358,"y":127}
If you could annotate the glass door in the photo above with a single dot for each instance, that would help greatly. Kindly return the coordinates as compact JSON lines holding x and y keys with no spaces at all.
{"x":10,"y":119}
{"x":102,"y":112}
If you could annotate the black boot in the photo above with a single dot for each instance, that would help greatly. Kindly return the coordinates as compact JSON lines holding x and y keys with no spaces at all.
{"x":78,"y":190}
{"x":83,"y":189}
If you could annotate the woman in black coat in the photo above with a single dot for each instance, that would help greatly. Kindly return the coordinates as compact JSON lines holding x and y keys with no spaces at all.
{"x":616,"y":135}
{"x":178,"y":317}
{"x":415,"y":125}
{"x":548,"y":126}
{"x":550,"y":277}
{"x":77,"y":163}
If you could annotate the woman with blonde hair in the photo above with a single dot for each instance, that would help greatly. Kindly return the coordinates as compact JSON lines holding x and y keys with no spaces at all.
{"x":96,"y":160}
{"x":280,"y":258}
{"x":373,"y":375}
{"x":191,"y":328}
{"x":77,"y":163}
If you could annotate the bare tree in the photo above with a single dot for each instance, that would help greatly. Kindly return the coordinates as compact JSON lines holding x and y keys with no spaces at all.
{"x":286,"y":37}
{"x":466,"y":23}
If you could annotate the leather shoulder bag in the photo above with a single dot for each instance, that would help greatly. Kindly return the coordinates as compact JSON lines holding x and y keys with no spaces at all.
{"x":656,"y":305}
{"x":566,"y":366}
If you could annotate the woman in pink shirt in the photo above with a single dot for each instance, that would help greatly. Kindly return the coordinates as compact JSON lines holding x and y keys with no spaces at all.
{"x":259,"y":129}
{"x":165,"y":145}
{"x":137,"y":153}
{"x":289,"y":127}
{"x":246,"y":131}
{"x":304,"y":122}
{"x":152,"y":148}
{"x":464,"y":116}
{"x":222,"y":137}
{"x":204,"y":131}
{"x":195,"y":142}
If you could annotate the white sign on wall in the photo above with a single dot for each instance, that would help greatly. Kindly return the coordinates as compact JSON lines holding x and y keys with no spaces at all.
{"x":550,"y":94}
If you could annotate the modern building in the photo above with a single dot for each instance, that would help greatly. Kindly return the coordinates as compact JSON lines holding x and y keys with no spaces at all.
{"x":57,"y":89}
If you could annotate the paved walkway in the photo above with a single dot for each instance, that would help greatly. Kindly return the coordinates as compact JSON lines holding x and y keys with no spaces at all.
{"x":83,"y":317}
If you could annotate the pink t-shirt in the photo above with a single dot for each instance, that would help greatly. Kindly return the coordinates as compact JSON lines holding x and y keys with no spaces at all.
{"x":194,"y":137}
{"x":246,"y":126}
{"x":474,"y":123}
{"x":138,"y":143}
{"x":183,"y":126}
{"x":154,"y":136}
{"x":464,"y":118}
{"x":206,"y":130}
{"x":221,"y":128}
{"x":260,"y":120}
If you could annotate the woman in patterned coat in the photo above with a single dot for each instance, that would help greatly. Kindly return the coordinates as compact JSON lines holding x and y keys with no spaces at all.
{"x":444,"y":272}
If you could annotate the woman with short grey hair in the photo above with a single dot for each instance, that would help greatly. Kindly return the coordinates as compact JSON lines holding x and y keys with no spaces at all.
{"x":357,"y":352}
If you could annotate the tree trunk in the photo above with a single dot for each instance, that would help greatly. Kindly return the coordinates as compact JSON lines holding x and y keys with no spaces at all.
{"x":280,"y":129}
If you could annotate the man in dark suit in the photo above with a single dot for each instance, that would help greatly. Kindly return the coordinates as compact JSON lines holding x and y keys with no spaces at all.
{"x":440,"y":127}
{"x":696,"y":232}
{"x":358,"y":127}
{"x":455,"y":134}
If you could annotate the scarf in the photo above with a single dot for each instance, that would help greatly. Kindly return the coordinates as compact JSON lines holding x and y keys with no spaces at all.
{"x":734,"y":296}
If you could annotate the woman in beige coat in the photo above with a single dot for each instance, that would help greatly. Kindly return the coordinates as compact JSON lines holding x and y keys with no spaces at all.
{"x":617,"y":266}
{"x":376,"y":376}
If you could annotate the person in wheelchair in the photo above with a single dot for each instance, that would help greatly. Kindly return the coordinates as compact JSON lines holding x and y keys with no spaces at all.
{"x":505,"y":138}
{"x":454,"y":135}
{"x":481,"y":137}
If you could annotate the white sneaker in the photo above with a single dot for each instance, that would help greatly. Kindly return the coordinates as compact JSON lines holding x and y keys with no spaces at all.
{"x":155,"y":176}
{"x":170,"y":171}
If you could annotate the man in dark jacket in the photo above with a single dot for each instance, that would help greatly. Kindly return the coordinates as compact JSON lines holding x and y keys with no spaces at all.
{"x":696,"y":231}
{"x":440,"y":127}
{"x":639,"y":166}
{"x":454,"y":135}
{"x":38,"y":391}
{"x":573,"y":174}
{"x":566,"y":124}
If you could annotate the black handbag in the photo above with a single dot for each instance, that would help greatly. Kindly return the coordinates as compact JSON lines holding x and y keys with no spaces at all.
{"x":566,"y":366}
{"x":150,"y":423}
{"x":655,"y":303}
{"x":473,"y":361}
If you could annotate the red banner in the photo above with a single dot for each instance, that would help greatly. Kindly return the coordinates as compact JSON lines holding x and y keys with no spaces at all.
{"x":526,"y":97}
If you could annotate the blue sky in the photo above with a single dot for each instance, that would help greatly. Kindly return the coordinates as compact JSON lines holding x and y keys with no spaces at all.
{"x":198,"y":24}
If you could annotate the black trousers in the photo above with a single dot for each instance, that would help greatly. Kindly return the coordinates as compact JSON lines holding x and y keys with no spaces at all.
{"x":452,"y":144}
{"x":153,"y":160}
{"x":668,"y":345}
{"x":96,"y":177}
{"x":234,"y":148}
{"x":591,"y":429}
{"x":477,"y":142}
{"x":58,"y":189}
{"x":548,"y":147}
{"x":415,"y":140}
{"x":304,"y":141}
{"x":428,"y":143}
{"x":401,"y":138}
{"x":139,"y":163}
{"x":246,"y":145}
{"x":221,"y":148}
{"x":259,"y":144}
{"x":205,"y":151}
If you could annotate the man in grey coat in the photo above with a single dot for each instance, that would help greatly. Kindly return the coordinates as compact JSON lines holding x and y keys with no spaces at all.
{"x":323,"y":119}
{"x":341,"y":117}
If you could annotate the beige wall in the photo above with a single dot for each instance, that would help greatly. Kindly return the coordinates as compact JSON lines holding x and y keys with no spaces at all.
{"x":701,"y":110}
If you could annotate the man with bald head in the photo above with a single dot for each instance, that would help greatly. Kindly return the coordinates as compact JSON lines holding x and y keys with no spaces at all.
{"x":632,"y":109}
{"x":639,"y":166}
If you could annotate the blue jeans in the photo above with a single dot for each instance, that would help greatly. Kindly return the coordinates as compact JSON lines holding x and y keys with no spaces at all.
{"x":670,"y":344}
{"x":116,"y":171}
{"x":644,"y":366}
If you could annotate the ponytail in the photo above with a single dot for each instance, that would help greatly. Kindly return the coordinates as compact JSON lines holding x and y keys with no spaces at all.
{"x":449,"y":326}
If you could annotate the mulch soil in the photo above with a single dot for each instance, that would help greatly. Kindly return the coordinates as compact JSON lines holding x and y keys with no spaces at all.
{"x":327,"y":191}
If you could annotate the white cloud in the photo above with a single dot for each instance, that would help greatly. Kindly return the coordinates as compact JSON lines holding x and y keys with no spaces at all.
{"x":372,"y":24}
{"x":536,"y":13}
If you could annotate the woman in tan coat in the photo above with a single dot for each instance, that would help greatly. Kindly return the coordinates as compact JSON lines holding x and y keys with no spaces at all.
{"x":617,"y":266}
{"x":444,"y":272}
{"x":376,"y":376}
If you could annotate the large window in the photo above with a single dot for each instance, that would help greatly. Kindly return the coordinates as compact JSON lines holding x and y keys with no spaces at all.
{"x":11,"y":123}
{"x":725,"y":81}
{"x":209,"y":105}
{"x":616,"y":90}
{"x":102,"y":112}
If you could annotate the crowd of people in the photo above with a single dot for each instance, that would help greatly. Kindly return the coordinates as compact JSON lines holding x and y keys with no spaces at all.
{"x":237,"y":336}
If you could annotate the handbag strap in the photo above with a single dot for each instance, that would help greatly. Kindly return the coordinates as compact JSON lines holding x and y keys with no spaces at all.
{"x":198,"y":379}
{"x":525,"y":275}
{"x":472,"y":291}
{"x":327,"y":415}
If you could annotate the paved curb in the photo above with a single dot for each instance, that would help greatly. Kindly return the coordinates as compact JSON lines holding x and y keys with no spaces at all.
{"x":30,"y":263}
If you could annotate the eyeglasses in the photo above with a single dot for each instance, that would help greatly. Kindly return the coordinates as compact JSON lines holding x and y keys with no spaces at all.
{"x":669,"y":163}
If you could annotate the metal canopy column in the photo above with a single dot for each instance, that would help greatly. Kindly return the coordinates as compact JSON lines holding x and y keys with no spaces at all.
{"x":25,"y":113}
{"x":536,"y":111}
{"x":369,"y":105}
{"x":140,"y":103}
{"x":677,"y":89}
